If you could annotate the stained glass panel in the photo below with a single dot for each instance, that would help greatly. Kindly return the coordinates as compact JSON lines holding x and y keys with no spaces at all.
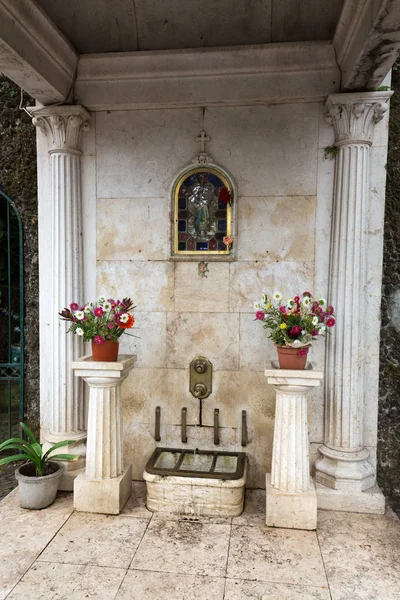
{"x":202,"y":212}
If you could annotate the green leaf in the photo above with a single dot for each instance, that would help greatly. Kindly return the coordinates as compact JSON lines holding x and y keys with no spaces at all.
{"x":58,"y":445}
{"x":28,"y":433}
{"x":8,"y":459}
{"x":4,"y":445}
{"x":37,"y":449}
{"x":64,"y":457}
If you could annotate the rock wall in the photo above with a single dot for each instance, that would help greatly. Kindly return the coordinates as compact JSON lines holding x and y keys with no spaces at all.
{"x":389,"y":402}
{"x":18,"y":180}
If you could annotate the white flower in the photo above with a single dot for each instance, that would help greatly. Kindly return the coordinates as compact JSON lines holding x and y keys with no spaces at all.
{"x":264,"y":299}
{"x":257,"y":305}
{"x":80,"y":315}
{"x":124,"y":318}
{"x":290,"y":303}
{"x":315,"y":320}
{"x":102,"y":299}
{"x":89,"y":304}
{"x":322,"y":302}
{"x":87,"y":309}
{"x":321,"y":329}
{"x":277,"y":296}
{"x":79,"y":331}
{"x":306,"y":301}
{"x":107,"y":306}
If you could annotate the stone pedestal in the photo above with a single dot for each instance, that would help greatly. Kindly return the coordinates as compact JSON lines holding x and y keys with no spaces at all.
{"x":105,"y":486}
{"x":63,"y":127}
{"x":290,"y":491}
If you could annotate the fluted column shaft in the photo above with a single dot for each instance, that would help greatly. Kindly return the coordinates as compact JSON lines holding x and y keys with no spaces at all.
{"x":63,"y":127}
{"x":344,"y":462}
{"x":290,"y":457}
{"x":104,"y":454}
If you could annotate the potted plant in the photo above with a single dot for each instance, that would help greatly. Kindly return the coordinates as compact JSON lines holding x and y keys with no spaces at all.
{"x":102,"y":324}
{"x":39,"y":477}
{"x":294,"y":325}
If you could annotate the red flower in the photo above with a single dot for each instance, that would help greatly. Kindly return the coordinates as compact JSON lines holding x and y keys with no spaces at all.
{"x":225,"y":196}
{"x":330,"y":322}
{"x":128,"y":324}
{"x":302,"y":352}
{"x":315,"y":332}
{"x":98,"y":312}
{"x":282,"y":310}
{"x":295,"y":331}
{"x":260,"y":315}
{"x":307,"y":294}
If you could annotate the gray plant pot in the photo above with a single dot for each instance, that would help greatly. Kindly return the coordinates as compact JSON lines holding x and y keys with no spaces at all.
{"x":38,"y":492}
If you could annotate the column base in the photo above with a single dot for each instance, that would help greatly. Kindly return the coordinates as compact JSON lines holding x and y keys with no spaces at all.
{"x":105,"y":496}
{"x":67,"y":479}
{"x":371,"y":501}
{"x":350,"y":472}
{"x":292,"y":511}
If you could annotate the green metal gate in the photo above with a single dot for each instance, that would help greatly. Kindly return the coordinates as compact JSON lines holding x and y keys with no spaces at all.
{"x":11,"y":319}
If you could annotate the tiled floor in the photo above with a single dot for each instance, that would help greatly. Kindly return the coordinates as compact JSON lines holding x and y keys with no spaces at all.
{"x":58,"y":554}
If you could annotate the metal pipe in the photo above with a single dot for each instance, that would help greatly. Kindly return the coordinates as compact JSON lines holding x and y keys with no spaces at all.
{"x":157,"y":435}
{"x":244,"y":428}
{"x":183,"y":425}
{"x":216,"y":426}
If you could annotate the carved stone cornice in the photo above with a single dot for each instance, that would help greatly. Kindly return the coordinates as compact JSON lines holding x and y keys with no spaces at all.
{"x":353,"y":116}
{"x":63,"y":126}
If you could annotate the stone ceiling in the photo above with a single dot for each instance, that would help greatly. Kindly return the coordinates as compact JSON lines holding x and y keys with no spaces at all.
{"x":127,"y":25}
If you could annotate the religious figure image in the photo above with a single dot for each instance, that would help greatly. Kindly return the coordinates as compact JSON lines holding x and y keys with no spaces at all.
{"x":202,"y":196}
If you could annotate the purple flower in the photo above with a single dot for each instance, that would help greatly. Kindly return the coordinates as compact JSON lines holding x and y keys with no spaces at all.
{"x":99,"y":340}
{"x":260,"y":315}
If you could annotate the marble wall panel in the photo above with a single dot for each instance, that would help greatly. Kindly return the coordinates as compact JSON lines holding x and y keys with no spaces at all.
{"x":256,"y":349}
{"x":139,"y":151}
{"x":270,"y":150}
{"x":133,"y":229}
{"x":150,"y":343}
{"x":214,"y":335}
{"x":272,"y":229}
{"x":249,"y":280}
{"x":150,"y":284}
{"x":194,"y":293}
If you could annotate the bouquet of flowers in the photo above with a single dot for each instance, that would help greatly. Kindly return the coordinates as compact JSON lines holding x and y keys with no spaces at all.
{"x":296,"y":323}
{"x":105,"y":321}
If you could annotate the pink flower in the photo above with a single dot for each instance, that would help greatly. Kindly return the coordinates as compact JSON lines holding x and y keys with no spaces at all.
{"x":99,"y":340}
{"x":110,"y":325}
{"x":296,"y":299}
{"x":295,"y":331}
{"x":98,"y":312}
{"x":283,"y":310}
{"x":112,"y":302}
{"x":302,"y":352}
{"x":330,"y":322}
{"x":260,"y":315}
{"x":307,"y":294}
{"x":74,"y":306}
{"x":330,"y":310}
{"x":315,"y":332}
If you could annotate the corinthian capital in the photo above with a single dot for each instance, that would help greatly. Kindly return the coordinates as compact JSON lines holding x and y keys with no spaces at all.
{"x":353,"y":116}
{"x":63,"y":126}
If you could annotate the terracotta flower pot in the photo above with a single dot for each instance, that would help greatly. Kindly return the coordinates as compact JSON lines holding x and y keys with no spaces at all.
{"x":292,"y":358}
{"x":107,"y":352}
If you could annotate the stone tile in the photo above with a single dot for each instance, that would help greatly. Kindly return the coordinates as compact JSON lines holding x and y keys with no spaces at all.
{"x":105,"y":541}
{"x":256,"y":349}
{"x":249,"y":280}
{"x":254,"y":510}
{"x":150,"y":284}
{"x":214,"y":335}
{"x":149,"y":585}
{"x":270,"y":136}
{"x":196,"y":32}
{"x":150,"y":342}
{"x":139,"y":152}
{"x":136,"y":504}
{"x":183,"y":547}
{"x":194,"y":293}
{"x":133,"y":229}
{"x":362,"y":564}
{"x":24,"y":534}
{"x":276,"y":555}
{"x":237,"y":589}
{"x":191,"y":518}
{"x":376,"y":526}
{"x":275,"y":229}
{"x":65,"y":581}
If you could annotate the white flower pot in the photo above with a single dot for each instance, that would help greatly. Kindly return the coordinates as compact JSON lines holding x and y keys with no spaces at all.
{"x":37,"y":492}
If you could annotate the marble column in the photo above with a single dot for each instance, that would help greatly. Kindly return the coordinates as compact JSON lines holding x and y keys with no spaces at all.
{"x":106,"y":484}
{"x":291,"y":500}
{"x":63,"y":127}
{"x":344,"y":462}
